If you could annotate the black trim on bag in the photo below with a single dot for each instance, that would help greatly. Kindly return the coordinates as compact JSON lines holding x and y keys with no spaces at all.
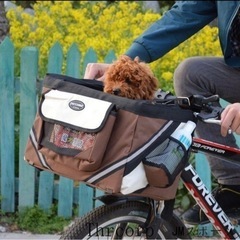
{"x":62,"y":151}
{"x":158,"y":137}
{"x":91,"y":83}
{"x":146,"y":108}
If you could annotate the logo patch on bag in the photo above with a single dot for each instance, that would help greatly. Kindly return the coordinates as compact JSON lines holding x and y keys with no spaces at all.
{"x":76,"y":105}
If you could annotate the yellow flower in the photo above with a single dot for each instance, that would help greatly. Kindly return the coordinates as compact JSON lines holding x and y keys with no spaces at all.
{"x":167,"y":76}
{"x":103,"y":27}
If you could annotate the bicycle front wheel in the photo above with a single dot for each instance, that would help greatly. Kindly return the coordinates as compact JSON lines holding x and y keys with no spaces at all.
{"x":122,"y":221}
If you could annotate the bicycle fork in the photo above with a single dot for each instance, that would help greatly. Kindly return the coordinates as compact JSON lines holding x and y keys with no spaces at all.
{"x":208,"y":203}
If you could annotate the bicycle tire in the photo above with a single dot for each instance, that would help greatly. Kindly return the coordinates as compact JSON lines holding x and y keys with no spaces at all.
{"x":100,"y":223}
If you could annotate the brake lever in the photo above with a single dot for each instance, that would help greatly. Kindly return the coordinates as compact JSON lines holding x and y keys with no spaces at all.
{"x":214,"y":121}
{"x":213,"y":98}
{"x":196,"y":102}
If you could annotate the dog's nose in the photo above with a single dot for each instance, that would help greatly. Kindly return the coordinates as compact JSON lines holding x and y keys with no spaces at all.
{"x":116,"y":91}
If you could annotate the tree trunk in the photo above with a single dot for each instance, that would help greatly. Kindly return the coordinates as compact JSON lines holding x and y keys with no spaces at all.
{"x":4,"y":24}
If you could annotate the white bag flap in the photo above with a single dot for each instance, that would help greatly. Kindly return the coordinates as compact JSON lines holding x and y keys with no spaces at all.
{"x":76,"y":110}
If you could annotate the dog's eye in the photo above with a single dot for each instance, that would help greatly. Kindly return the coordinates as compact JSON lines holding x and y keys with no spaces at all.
{"x":128,"y":81}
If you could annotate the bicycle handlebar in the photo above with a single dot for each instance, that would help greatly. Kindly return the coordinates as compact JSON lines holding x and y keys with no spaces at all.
{"x":203,"y":107}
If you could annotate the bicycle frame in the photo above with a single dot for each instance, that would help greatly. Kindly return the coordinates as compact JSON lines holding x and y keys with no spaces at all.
{"x":202,"y":195}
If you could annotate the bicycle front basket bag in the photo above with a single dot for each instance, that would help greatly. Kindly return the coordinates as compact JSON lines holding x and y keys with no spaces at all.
{"x":87,"y":135}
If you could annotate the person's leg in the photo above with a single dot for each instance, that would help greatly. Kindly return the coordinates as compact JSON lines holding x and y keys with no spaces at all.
{"x":208,"y":76}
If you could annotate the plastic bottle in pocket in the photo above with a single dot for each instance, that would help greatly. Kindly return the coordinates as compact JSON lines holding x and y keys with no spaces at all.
{"x":184,"y":134}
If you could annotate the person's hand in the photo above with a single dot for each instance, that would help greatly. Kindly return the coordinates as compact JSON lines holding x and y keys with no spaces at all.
{"x":230,"y":119}
{"x":96,"y":71}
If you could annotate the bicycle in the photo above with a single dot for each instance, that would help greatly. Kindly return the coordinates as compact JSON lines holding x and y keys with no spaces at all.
{"x":125,"y":216}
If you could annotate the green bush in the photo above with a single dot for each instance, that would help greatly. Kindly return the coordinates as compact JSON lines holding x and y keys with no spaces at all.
{"x":36,"y":220}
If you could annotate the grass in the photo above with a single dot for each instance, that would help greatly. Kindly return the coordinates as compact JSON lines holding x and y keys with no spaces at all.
{"x":34,"y":220}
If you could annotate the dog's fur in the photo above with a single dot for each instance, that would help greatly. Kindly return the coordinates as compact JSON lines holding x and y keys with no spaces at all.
{"x":130,"y":78}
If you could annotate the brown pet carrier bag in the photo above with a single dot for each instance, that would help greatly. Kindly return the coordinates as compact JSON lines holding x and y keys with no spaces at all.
{"x":87,"y":135}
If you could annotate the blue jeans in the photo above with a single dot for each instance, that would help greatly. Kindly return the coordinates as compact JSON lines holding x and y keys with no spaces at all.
{"x":208,"y":76}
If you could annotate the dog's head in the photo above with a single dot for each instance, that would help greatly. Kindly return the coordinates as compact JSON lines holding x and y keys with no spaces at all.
{"x":130,"y":78}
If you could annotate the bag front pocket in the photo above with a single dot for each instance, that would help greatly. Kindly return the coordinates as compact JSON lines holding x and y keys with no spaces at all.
{"x":75,"y":127}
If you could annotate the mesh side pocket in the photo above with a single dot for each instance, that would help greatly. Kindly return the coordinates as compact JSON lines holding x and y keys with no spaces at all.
{"x":164,"y":163}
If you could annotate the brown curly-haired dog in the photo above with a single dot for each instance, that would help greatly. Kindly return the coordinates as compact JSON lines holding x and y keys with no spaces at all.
{"x":130,"y":78}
